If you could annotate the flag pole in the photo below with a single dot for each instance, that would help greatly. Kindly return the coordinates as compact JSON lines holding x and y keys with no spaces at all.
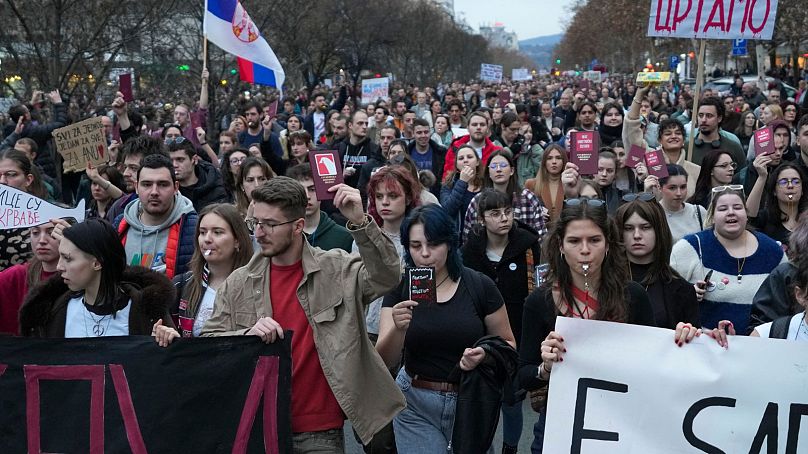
{"x":204,"y":51}
{"x":695,"y":113}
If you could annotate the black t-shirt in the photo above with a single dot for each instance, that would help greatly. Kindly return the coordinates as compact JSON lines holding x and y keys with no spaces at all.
{"x":539,"y":319}
{"x":439,"y":333}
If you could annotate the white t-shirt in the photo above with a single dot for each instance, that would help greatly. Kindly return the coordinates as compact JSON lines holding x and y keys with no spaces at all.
{"x":205,"y":310}
{"x":797,"y":329}
{"x":80,"y":322}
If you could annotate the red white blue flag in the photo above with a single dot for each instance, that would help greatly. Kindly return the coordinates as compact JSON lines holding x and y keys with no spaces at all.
{"x":228,"y":25}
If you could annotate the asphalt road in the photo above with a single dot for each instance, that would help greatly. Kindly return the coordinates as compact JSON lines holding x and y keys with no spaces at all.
{"x":530,"y":418}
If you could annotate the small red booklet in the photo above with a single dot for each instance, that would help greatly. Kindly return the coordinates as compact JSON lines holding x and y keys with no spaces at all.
{"x":125,"y":87}
{"x":584,"y":146}
{"x":656,"y":164}
{"x":764,"y":141}
{"x":273,"y":109}
{"x":326,"y":171}
{"x":504,"y":98}
{"x":422,"y":285}
{"x":636,"y":155}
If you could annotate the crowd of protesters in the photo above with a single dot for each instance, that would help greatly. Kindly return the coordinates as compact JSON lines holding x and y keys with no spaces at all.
{"x":191,"y":234}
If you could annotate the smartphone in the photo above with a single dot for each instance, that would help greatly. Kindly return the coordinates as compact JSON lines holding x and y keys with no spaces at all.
{"x":707,"y":279}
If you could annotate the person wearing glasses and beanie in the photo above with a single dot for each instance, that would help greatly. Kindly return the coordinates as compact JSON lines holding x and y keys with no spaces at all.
{"x":726,"y":263}
{"x":321,"y":296}
{"x":588,"y":277}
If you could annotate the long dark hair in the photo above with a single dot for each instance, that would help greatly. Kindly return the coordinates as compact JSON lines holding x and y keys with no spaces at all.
{"x":614,"y":270}
{"x":242,"y":201}
{"x":652,"y":213}
{"x":242,"y":255}
{"x":97,"y":237}
{"x":704,"y":184}
{"x":774,"y":213}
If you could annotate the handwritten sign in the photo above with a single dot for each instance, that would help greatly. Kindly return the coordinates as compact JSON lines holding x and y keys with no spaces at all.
{"x":712,"y":19}
{"x":19,"y":210}
{"x":375,"y":89}
{"x":626,"y":389}
{"x":490,"y":73}
{"x":80,"y":143}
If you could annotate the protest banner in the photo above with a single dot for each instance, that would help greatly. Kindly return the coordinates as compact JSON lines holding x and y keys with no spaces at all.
{"x":127,"y":394}
{"x":80,"y":143}
{"x":594,"y":76}
{"x":375,"y":89}
{"x":518,"y":74}
{"x":626,"y":389}
{"x":712,"y":19}
{"x":490,"y":73}
{"x":19,"y":209}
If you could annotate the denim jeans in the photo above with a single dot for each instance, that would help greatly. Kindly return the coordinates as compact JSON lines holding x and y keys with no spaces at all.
{"x":425,"y":426}
{"x":325,"y":442}
{"x":538,"y":434}
{"x":512,"y":423}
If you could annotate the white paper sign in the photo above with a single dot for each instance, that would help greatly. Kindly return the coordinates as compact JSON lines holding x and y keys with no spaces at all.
{"x":20,"y":209}
{"x":713,"y":19}
{"x":373,"y":89}
{"x":490,"y":73}
{"x":520,"y":74}
{"x":594,"y":76}
{"x":629,"y":389}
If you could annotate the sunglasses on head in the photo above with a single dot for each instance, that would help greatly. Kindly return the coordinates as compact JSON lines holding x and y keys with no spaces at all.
{"x":173,"y":140}
{"x":736,"y":188}
{"x":643,"y":196}
{"x":593,"y":203}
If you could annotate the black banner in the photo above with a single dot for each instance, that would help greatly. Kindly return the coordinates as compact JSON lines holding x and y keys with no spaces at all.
{"x":127,"y":394}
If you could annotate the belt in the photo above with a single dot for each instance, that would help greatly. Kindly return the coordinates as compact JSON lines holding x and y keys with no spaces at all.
{"x":432,"y":385}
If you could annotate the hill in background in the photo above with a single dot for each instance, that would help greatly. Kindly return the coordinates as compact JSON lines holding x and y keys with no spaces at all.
{"x":540,"y":49}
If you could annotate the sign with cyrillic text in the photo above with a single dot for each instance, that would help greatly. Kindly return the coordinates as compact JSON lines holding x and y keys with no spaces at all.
{"x":127,"y":394}
{"x":626,"y":389}
{"x":520,"y":74}
{"x":713,"y":19}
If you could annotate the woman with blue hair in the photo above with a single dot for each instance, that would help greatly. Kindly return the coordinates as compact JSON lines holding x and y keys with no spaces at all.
{"x":431,"y":338}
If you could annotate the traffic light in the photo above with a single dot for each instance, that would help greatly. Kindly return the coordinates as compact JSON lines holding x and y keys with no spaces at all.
{"x":183,"y":67}
{"x":558,"y":61}
{"x":233,"y":71}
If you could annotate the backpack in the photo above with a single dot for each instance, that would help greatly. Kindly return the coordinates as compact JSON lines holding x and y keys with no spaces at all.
{"x":779,"y":328}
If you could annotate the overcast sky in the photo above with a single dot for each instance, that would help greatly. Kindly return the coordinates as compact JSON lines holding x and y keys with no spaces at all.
{"x":528,"y":18}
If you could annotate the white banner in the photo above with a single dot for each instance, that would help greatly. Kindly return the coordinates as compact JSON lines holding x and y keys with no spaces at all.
{"x":520,"y":74}
{"x":373,"y":89}
{"x":490,"y":73}
{"x":625,"y":389}
{"x":712,"y":19}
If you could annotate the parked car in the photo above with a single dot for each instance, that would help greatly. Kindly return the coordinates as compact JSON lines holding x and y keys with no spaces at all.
{"x":722,"y":85}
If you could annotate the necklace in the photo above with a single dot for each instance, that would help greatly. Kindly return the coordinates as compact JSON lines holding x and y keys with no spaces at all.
{"x":741,"y":263}
{"x":441,"y":282}
{"x":801,"y":327}
{"x":97,"y":325}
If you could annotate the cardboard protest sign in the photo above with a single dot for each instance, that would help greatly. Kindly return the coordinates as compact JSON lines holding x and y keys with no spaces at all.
{"x":81,"y":143}
{"x":490,"y":73}
{"x":584,"y":146}
{"x":713,"y":19}
{"x":621,"y":389}
{"x":422,"y":284}
{"x":518,"y":74}
{"x":19,"y":210}
{"x":127,"y":394}
{"x":656,"y":164}
{"x":375,"y":89}
{"x":764,"y":141}
{"x":636,"y":155}
{"x":326,"y":171}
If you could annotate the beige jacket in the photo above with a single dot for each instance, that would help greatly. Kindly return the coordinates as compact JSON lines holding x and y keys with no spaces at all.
{"x":632,"y":135}
{"x":335,"y":289}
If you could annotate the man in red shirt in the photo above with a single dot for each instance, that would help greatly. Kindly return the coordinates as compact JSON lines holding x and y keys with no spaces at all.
{"x":321,"y":297}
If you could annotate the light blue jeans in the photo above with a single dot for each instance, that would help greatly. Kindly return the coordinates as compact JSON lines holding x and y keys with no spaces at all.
{"x":425,"y":426}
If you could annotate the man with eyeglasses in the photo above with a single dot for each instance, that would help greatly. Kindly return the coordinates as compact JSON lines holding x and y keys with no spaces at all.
{"x":157,"y":229}
{"x":321,"y":296}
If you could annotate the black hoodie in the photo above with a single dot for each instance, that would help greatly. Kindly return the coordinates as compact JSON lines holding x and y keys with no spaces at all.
{"x":208,"y":189}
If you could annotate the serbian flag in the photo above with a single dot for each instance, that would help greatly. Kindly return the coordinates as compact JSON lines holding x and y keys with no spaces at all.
{"x":228,"y":25}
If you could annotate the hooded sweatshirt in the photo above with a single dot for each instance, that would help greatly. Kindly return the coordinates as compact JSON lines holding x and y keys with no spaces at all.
{"x":146,"y":245}
{"x":208,"y":189}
